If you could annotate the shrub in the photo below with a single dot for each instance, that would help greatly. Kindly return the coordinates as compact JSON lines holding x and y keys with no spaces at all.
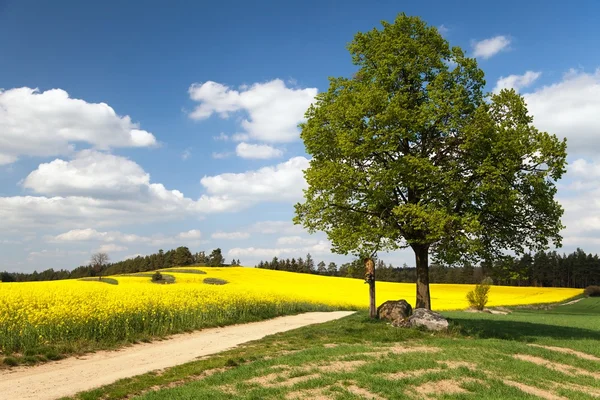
{"x":592,"y":291}
{"x":478,"y":297}
{"x":157,"y":277}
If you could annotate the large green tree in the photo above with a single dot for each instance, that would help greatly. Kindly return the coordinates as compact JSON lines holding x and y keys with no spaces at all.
{"x":410,"y":152}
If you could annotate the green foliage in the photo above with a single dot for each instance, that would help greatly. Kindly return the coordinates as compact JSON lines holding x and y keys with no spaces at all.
{"x":592,"y":291}
{"x":182,"y":256}
{"x":411,"y":152}
{"x":478,"y":297}
{"x":157,"y":277}
{"x":216,"y":258}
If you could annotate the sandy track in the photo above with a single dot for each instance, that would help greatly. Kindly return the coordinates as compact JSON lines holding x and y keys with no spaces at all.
{"x":73,"y":375}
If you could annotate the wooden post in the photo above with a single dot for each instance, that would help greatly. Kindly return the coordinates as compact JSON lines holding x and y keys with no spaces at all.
{"x":370,"y":279}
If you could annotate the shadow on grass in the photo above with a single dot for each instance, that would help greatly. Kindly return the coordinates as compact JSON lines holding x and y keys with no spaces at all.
{"x":519,"y":330}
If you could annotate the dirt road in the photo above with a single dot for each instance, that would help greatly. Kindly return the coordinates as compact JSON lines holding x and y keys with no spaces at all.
{"x":73,"y":375}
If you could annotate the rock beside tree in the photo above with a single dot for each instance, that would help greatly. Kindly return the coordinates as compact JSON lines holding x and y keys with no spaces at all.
{"x":394,"y":310}
{"x":426,"y":318}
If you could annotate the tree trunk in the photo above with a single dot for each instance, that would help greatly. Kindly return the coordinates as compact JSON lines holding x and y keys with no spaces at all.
{"x":422,"y":261}
{"x":372,"y":306}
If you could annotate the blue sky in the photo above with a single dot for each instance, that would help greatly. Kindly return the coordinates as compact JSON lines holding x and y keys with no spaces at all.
{"x":117,"y":148}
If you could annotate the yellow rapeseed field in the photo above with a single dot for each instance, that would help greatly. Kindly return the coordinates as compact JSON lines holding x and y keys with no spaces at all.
{"x":34,"y":314}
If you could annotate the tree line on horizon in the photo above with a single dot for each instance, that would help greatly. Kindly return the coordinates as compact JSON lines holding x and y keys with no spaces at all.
{"x":544,"y":269}
{"x":181,"y":256}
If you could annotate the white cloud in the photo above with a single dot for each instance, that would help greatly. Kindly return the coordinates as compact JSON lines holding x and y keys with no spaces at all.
{"x":257,"y":151}
{"x":90,"y":235}
{"x":516,"y":82}
{"x":34,"y":123}
{"x":111,"y":247}
{"x":187,"y":153}
{"x":240,"y":137}
{"x":273,"y":109}
{"x":321,"y":247}
{"x":283,"y":182}
{"x":443,"y":29}
{"x":89,"y":173}
{"x":230,"y":235}
{"x":56,"y":253}
{"x":222,"y":155}
{"x":272,"y":227}
{"x":489,"y":47}
{"x":569,"y":108}
{"x":99,"y":189}
{"x":192,"y":234}
{"x":295,"y":240}
{"x":221,"y":137}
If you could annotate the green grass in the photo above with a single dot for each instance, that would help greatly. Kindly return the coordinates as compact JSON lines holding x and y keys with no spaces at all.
{"x":486,"y":344}
{"x":110,"y":281}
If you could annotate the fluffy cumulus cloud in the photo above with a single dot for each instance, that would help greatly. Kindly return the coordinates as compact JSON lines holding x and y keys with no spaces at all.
{"x":114,"y":237}
{"x":35,"y":123}
{"x":569,"y":108}
{"x":96,"y":188}
{"x":285,"y":181}
{"x":89,"y":173}
{"x":490,"y":47}
{"x":273,"y":109}
{"x":257,"y":151}
{"x":517,"y":82}
{"x":579,"y":194}
{"x":99,"y":189}
{"x":192,"y":234}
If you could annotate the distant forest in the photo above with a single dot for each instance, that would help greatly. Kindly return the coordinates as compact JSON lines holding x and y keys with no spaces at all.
{"x":547,"y":269}
{"x":180,"y":256}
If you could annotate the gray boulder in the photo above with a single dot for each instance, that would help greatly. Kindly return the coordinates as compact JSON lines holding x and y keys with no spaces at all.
{"x":394,"y":311}
{"x":428,"y":319}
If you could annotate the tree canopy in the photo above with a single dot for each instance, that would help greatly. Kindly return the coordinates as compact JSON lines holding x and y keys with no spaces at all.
{"x":410,"y":152}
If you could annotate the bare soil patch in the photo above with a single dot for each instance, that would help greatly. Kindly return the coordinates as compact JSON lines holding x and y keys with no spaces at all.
{"x":280,"y":379}
{"x":565,"y":350}
{"x":308,"y":394}
{"x":338,"y":366}
{"x":445,"y":386}
{"x":565,"y":369}
{"x":363,"y":393}
{"x":400,"y":349}
{"x":577,"y":388}
{"x":420,"y":372}
{"x":193,"y":378}
{"x":544,"y":394}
